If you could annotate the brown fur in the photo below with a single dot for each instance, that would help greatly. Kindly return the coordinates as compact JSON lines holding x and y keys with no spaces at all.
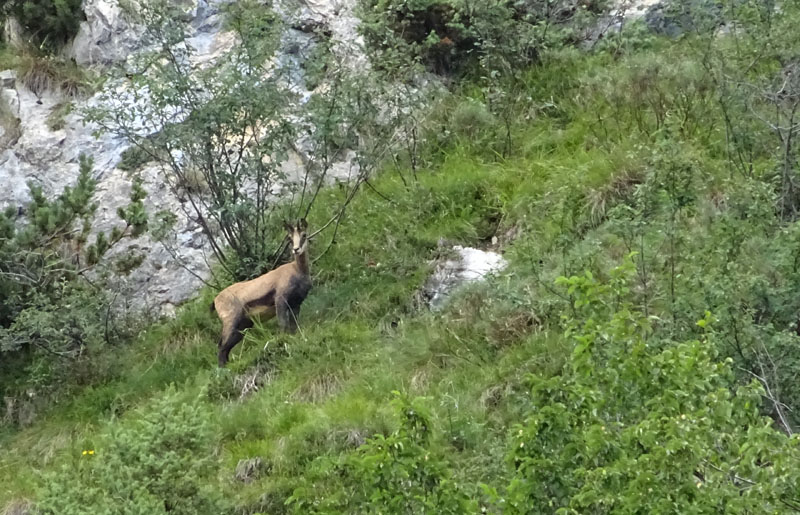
{"x":277,"y":293}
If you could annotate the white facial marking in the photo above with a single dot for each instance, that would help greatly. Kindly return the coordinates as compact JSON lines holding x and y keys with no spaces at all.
{"x":298,"y":242}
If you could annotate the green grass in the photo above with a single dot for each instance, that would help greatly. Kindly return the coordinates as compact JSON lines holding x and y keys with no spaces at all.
{"x":326,"y":389}
{"x":293,"y":399}
{"x":41,"y":72}
{"x":56,"y":118}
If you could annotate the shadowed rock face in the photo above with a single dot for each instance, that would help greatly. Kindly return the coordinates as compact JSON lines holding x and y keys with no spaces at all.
{"x":50,"y":157}
{"x":674,"y":17}
{"x":667,"y":17}
{"x":106,"y":37}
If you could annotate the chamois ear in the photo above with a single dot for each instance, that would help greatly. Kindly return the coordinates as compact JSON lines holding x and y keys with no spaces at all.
{"x":302,"y":224}
{"x":289,"y":228}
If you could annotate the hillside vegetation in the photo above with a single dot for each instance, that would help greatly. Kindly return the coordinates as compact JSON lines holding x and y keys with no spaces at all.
{"x":639,"y":354}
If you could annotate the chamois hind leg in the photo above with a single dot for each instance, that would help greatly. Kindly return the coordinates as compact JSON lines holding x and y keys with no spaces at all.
{"x":287,"y":312}
{"x":231,"y":336}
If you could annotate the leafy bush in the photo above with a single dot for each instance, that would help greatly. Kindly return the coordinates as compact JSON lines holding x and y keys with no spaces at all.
{"x":398,"y":473}
{"x":212,"y":111}
{"x":49,"y":23}
{"x":160,"y":462}
{"x":448,"y":35}
{"x":133,"y":159}
{"x":637,"y":425}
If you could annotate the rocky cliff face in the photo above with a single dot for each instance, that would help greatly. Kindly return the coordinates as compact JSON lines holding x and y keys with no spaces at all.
{"x":49,"y":157}
{"x":30,"y":150}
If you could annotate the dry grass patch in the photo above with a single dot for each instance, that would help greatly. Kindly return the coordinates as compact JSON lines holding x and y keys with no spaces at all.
{"x":41,"y":74}
{"x":251,"y":381}
{"x":511,"y":328}
{"x":319,"y":388}
{"x":19,"y":507}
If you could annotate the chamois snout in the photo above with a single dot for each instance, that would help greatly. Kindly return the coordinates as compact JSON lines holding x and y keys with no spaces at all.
{"x":298,"y":236}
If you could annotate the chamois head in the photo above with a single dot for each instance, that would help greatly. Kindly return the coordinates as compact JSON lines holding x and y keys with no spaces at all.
{"x":298,"y":235}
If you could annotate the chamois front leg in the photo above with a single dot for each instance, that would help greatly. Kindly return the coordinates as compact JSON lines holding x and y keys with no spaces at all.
{"x":287,"y":314}
{"x":287,"y":302}
{"x":232,"y":334}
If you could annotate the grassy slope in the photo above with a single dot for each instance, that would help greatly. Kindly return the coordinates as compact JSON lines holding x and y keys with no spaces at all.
{"x":363,"y":333}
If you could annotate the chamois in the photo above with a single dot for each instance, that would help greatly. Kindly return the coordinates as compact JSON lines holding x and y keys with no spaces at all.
{"x":279,"y":292}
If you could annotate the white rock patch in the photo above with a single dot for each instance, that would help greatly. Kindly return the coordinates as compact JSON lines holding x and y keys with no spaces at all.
{"x":468,"y":265}
{"x":634,"y":8}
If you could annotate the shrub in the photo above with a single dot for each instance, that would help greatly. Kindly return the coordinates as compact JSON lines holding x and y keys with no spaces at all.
{"x":41,"y":72}
{"x":202,"y":115}
{"x":448,"y":35}
{"x":49,"y":23}
{"x":635,"y":425}
{"x":398,"y":473}
{"x":160,"y":462}
{"x":133,"y":159}
{"x":51,"y":318}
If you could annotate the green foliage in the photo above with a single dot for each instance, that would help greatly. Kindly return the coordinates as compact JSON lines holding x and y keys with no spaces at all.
{"x":449,"y":35}
{"x":242,"y":106}
{"x":757,"y":86}
{"x":133,"y":159}
{"x":565,"y":166}
{"x":397,"y":473}
{"x":51,"y":224}
{"x":634,"y":36}
{"x":158,"y":462}
{"x":637,"y":425}
{"x":50,"y":317}
{"x":49,"y":23}
{"x":223,"y":103}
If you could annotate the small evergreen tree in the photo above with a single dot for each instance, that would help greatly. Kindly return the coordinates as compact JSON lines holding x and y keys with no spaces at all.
{"x":50,"y":314}
{"x":161,"y":461}
{"x":49,"y":23}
